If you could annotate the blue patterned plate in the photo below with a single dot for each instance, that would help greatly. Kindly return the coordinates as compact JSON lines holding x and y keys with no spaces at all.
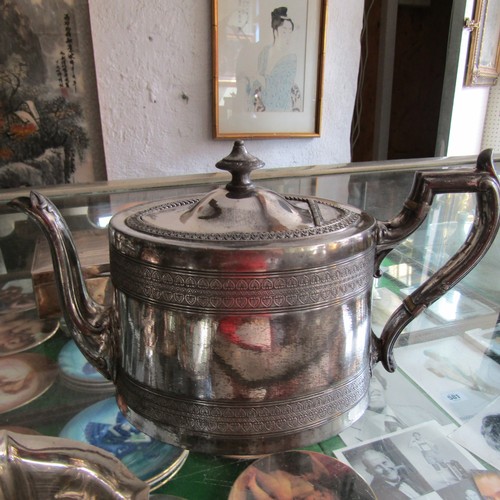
{"x":104,"y":426}
{"x":76,"y":369}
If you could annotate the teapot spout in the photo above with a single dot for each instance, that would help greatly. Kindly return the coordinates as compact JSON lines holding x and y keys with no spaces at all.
{"x":89,"y":322}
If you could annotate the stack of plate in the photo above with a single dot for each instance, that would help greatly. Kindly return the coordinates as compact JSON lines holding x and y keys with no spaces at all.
{"x":23,"y":376}
{"x":77,"y":373}
{"x":104,"y":426}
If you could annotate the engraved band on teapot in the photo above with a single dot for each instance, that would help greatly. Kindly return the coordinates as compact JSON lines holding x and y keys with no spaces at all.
{"x":243,"y":418}
{"x":240,"y":293}
{"x":137,"y":223}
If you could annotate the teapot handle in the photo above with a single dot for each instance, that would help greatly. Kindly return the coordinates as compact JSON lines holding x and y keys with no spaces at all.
{"x":481,"y":180}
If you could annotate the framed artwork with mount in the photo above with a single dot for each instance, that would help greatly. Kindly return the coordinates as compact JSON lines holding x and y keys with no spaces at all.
{"x":50,"y":127}
{"x":484,"y":52}
{"x":268,"y":62}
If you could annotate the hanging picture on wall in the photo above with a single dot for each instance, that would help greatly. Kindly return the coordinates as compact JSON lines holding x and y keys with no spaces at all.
{"x":50,"y":130}
{"x":484,"y":52}
{"x":268,"y":67}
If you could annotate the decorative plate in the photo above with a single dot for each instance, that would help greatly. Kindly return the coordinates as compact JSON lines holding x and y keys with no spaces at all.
{"x":300,"y":475}
{"x":104,"y":426}
{"x":78,"y":373}
{"x":24,"y":330}
{"x":23,"y":378}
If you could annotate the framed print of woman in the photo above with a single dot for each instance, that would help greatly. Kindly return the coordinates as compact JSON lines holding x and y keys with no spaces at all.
{"x":277,"y":90}
{"x":268,"y":67}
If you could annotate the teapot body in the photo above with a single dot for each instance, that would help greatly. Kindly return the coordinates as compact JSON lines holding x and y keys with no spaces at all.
{"x":248,"y":347}
{"x":240,"y":323}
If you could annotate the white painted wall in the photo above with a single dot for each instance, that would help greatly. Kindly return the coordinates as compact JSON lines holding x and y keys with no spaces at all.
{"x":148,"y":53}
{"x":469,"y":105}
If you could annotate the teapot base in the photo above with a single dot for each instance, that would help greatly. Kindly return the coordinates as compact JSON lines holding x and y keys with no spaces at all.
{"x":243,"y":428}
{"x":250,"y":447}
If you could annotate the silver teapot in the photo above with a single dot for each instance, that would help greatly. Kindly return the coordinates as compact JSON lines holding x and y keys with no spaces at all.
{"x":240,"y":321}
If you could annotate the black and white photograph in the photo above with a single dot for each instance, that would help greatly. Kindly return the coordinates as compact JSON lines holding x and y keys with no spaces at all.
{"x":50,"y":130}
{"x":463,"y":490}
{"x":487,"y":340}
{"x":268,"y":61}
{"x":418,"y":462}
{"x":452,"y":372}
{"x":395,"y":403}
{"x":481,"y":434}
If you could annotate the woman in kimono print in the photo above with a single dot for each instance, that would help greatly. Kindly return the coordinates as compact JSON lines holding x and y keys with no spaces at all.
{"x":277,"y":65}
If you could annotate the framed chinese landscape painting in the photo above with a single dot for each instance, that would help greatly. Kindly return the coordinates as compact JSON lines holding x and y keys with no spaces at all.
{"x":268,"y":67}
{"x":50,"y":129}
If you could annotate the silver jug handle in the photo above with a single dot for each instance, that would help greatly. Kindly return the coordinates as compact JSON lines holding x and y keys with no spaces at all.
{"x":481,"y":180}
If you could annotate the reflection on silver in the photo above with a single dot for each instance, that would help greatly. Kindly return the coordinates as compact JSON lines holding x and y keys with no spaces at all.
{"x":300,"y":474}
{"x":42,"y":467}
{"x":241,"y":318}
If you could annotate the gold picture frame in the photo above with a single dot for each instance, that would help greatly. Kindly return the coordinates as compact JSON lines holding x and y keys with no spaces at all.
{"x":268,"y":60}
{"x":484,"y":52}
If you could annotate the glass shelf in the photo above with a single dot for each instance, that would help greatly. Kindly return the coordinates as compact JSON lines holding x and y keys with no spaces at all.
{"x":448,"y":359}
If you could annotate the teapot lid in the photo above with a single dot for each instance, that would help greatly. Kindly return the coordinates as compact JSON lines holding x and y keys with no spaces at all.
{"x":240,"y":211}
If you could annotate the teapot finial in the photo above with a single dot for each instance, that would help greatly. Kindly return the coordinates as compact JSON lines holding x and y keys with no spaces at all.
{"x":240,"y":164}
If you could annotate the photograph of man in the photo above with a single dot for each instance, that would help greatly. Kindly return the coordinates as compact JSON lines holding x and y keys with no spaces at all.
{"x":390,"y":480}
{"x":413,"y":462}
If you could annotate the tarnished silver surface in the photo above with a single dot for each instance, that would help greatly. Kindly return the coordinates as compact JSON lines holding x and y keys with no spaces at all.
{"x":88,"y":321}
{"x":41,"y":467}
{"x":231,"y":292}
{"x":184,"y":219}
{"x":241,"y":318}
{"x":484,"y":182}
{"x":246,"y":425}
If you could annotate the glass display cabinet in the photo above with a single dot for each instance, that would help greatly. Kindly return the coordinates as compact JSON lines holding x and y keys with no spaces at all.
{"x":436,"y":419}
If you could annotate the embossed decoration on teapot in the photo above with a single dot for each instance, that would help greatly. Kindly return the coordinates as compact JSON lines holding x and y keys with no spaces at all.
{"x":241,"y":317}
